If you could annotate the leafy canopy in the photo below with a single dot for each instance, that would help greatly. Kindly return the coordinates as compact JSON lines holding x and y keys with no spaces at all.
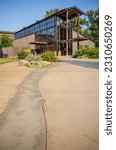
{"x":51,"y":11}
{"x":5,"y":41}
{"x":89,"y":25}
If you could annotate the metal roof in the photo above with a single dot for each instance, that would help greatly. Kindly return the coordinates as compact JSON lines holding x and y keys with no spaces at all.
{"x":72,"y":8}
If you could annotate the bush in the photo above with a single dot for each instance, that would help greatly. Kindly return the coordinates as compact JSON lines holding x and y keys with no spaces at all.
{"x":22,"y":54}
{"x":93,"y":53}
{"x":49,"y":56}
{"x":87,"y":53}
{"x":34,"y":64}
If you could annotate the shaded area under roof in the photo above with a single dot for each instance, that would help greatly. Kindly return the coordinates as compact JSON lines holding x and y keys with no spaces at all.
{"x":62,"y":41}
{"x":74,"y":39}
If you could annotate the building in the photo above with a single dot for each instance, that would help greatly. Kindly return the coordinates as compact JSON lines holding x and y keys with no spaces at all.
{"x":10,"y":34}
{"x":83,"y":43}
{"x":55,"y":32}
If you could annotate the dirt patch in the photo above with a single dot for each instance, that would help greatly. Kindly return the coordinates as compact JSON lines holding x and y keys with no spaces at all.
{"x":11,"y":76}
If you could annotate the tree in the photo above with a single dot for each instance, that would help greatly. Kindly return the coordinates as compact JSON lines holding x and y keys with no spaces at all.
{"x":89,"y":26}
{"x":93,"y":26}
{"x":5,"y":41}
{"x":51,"y":11}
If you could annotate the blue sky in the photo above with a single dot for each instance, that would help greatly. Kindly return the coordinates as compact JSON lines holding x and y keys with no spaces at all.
{"x":16,"y":14}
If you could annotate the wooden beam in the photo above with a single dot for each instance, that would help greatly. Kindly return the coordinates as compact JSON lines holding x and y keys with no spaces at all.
{"x":78,"y":30}
{"x":59,"y":37}
{"x":67,"y":33}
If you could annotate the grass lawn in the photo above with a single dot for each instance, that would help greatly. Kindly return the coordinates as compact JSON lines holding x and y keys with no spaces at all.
{"x":7,"y":60}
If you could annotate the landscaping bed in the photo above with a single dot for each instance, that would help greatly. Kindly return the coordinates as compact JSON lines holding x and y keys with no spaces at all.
{"x":26,"y":58}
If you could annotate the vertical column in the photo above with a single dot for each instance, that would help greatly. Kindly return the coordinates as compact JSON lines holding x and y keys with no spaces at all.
{"x":58,"y":34}
{"x":72,"y":28}
{"x":78,"y":30}
{"x":59,"y":37}
{"x":70,"y":32}
{"x":67,"y":33}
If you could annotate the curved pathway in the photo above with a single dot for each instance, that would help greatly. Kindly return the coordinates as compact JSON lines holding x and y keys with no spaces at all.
{"x":22,"y":124}
{"x":70,"y":90}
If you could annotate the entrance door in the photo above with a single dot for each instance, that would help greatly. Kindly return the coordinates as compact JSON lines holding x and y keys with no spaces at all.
{"x":63,"y":49}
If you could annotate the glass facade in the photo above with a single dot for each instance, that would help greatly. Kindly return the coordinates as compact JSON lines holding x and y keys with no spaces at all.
{"x":54,"y":32}
{"x":47,"y":27}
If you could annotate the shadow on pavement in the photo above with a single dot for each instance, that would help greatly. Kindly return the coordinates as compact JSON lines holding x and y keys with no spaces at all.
{"x":87,"y":64}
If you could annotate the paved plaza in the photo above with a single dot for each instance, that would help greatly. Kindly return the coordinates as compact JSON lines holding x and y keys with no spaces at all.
{"x":53,"y":108}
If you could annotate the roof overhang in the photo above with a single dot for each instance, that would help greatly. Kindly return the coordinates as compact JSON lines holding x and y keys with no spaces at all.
{"x":74,"y":40}
{"x":39,"y":43}
{"x":72,"y":12}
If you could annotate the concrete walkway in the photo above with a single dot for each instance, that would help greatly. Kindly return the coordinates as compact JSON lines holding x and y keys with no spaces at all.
{"x":70,"y":90}
{"x":22,"y":124}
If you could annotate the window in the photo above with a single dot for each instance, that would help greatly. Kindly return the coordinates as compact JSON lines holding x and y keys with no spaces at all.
{"x":43,"y":32}
{"x":32,"y":29}
{"x":26,"y":31}
{"x":17,"y":35}
{"x":50,"y":22}
{"x":51,"y":31}
{"x":42,"y":25}
{"x":80,"y":46}
{"x":21,"y":33}
{"x":36,"y":27}
{"x":86,"y":46}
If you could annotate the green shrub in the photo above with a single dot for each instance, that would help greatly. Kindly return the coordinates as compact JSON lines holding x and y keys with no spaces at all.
{"x":87,"y":53}
{"x":34,"y":64}
{"x":22,"y":54}
{"x":49,"y":56}
{"x":93,"y":53}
